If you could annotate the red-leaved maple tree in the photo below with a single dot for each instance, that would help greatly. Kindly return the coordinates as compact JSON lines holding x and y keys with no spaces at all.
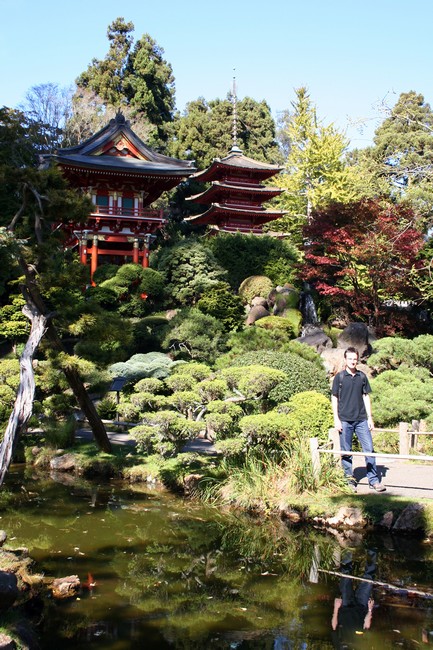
{"x":362,"y":254}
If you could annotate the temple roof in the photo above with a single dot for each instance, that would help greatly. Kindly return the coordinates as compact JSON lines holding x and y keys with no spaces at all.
{"x":117,"y":148}
{"x":218,"y":212}
{"x":236,"y":161}
{"x":218,"y":189}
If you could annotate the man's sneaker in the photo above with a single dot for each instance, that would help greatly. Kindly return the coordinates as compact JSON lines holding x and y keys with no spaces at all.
{"x":377,"y":487}
{"x":352,"y":484}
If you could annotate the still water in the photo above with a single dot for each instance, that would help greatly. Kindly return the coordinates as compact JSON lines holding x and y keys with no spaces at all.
{"x":171,"y":573}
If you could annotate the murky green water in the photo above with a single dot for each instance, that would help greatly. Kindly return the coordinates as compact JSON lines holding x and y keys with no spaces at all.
{"x":173,"y":574}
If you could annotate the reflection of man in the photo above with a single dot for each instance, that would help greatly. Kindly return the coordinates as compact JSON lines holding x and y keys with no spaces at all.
{"x":352,"y":415}
{"x":353,"y":611}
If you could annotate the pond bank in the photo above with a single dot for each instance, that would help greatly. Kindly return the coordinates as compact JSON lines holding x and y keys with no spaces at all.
{"x":189,"y":474}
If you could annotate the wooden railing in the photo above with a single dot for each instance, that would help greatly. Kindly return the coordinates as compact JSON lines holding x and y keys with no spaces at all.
{"x":407,"y":440}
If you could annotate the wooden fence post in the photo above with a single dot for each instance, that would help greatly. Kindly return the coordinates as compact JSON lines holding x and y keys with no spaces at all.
{"x":403,"y":447}
{"x":315,"y":457}
{"x":334,"y":436}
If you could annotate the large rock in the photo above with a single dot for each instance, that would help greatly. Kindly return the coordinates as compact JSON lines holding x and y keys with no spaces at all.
{"x":412,"y":519}
{"x":256,"y":313}
{"x":9,"y":591}
{"x":359,"y":336}
{"x":316,"y":338}
{"x":7,"y":642}
{"x":65,"y":587}
{"x":65,"y":463}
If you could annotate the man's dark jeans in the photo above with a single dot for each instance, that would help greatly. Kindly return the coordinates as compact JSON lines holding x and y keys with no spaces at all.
{"x":362,"y":432}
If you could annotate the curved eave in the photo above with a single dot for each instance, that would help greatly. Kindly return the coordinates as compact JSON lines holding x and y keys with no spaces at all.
{"x":218,"y":189}
{"x":220,"y":212}
{"x":120,"y":166}
{"x":115,"y":129}
{"x":236,"y":163}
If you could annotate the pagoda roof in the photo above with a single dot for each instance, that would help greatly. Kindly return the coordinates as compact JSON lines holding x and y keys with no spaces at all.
{"x":236,"y":162}
{"x":117,"y":148}
{"x":263,"y":193}
{"x":218,"y":212}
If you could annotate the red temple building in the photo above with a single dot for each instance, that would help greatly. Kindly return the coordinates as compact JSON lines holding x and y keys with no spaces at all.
{"x":236,"y":194}
{"x":123,"y":177}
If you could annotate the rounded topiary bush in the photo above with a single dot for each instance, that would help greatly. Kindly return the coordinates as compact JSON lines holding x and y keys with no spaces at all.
{"x":401,"y":395}
{"x":309,"y":415}
{"x":289,"y":324}
{"x":301,"y":374}
{"x":255,"y":285}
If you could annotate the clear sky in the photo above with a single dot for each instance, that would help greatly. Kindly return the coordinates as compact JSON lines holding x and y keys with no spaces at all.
{"x":351,"y":54}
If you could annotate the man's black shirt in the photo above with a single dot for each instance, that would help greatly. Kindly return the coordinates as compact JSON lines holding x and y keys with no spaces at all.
{"x":350,"y":390}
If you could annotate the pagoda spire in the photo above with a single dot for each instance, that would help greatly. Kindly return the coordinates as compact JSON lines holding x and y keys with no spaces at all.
{"x":235,"y":148}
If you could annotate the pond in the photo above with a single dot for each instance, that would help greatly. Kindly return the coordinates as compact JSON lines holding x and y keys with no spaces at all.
{"x":171,"y":573}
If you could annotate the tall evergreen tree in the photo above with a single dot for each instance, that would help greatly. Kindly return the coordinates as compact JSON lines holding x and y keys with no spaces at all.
{"x":133,"y":78}
{"x":204,"y":131}
{"x":403,"y":153}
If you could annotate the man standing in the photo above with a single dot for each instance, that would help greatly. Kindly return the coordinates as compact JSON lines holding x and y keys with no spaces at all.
{"x":352,"y":415}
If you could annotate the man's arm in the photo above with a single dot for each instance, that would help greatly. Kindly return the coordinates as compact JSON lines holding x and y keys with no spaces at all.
{"x":337,"y":604}
{"x":337,"y":421}
{"x":367,"y":404}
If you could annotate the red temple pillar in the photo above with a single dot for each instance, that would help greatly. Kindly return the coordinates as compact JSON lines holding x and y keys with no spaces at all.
{"x":94,"y":258}
{"x":82,"y":240}
{"x":135,"y":251}
{"x":146,"y":247}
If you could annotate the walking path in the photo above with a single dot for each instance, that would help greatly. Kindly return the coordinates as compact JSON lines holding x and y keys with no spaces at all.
{"x":409,"y":479}
{"x":413,"y":480}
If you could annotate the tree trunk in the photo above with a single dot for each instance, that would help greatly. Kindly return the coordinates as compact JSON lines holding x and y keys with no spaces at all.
{"x":71,"y":374}
{"x":24,"y":399}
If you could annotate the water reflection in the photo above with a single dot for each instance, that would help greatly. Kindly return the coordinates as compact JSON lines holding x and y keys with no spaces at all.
{"x":173,"y":574}
{"x":353,"y":608}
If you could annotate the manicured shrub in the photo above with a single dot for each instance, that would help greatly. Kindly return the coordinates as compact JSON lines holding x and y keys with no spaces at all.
{"x":233,"y":448}
{"x":198,"y":371}
{"x":212,"y":389}
{"x":148,"y":333}
{"x":289,"y":324}
{"x":149,"y":385}
{"x":165,"y":433}
{"x":255,"y":285}
{"x":309,"y":415}
{"x":139,"y":366}
{"x":189,"y":269}
{"x":193,"y":335}
{"x":221,"y":303}
{"x":266,"y":431}
{"x":301,"y":374}
{"x":391,"y":352}
{"x":245,"y":255}
{"x":401,"y":395}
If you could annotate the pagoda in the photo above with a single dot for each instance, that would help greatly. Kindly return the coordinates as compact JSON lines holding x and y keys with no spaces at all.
{"x":123,"y":177}
{"x":236,"y":195}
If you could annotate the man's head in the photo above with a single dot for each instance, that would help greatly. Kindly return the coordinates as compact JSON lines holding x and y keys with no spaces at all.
{"x":351,"y":357}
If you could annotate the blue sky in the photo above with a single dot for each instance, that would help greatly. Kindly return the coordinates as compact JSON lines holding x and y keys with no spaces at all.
{"x":352,"y":55}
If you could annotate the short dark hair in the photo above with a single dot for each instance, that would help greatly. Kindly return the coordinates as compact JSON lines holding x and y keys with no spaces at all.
{"x":351,"y":350}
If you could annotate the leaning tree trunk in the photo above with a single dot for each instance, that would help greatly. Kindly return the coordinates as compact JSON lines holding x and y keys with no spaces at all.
{"x":71,"y":374}
{"x":24,"y":399}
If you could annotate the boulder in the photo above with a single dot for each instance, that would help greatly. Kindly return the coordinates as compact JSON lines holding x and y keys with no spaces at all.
{"x":64,"y":463}
{"x":347,"y":516}
{"x":256,"y":313}
{"x":9,"y":591}
{"x":7,"y":642}
{"x":258,"y":300}
{"x":412,"y":519}
{"x":359,"y":336}
{"x":3,"y":537}
{"x":65,"y":587}
{"x":316,"y":338}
